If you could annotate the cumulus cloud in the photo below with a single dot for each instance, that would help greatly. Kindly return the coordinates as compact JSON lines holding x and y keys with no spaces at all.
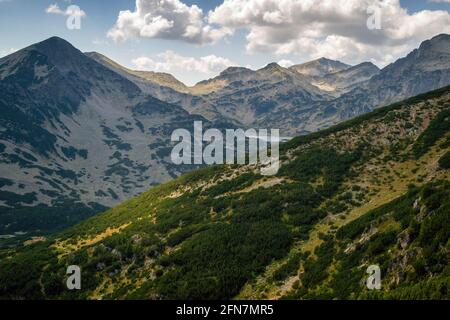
{"x":69,"y":11}
{"x":6,"y":52}
{"x":166,"y":19}
{"x":335,"y":29}
{"x":169,"y":62}
{"x":309,"y":29}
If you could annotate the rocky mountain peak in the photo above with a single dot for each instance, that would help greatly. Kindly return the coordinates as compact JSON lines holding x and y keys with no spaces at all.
{"x":273,"y":66}
{"x":60,"y":53}
{"x":319,"y":67}
{"x":432,"y":55}
{"x":232,"y":71}
{"x":439,"y":43}
{"x":165,"y":80}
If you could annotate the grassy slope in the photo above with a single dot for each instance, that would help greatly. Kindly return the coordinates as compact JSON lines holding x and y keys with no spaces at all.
{"x":225,"y":232}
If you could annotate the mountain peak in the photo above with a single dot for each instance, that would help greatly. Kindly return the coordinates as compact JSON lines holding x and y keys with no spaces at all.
{"x":53,"y":43}
{"x":320,"y":67}
{"x":55,"y":40}
{"x":273,"y":65}
{"x":326,"y":60}
{"x":364,"y":65}
{"x":60,"y":53}
{"x":367,"y":64}
{"x":274,"y":70}
{"x":432,"y":55}
{"x":230,"y":73}
{"x":158,"y":78}
{"x":233,"y":70}
{"x":441,"y":37}
{"x":440,"y":43}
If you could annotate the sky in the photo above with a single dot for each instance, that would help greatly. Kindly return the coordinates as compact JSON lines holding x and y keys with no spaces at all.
{"x":197,"y":39}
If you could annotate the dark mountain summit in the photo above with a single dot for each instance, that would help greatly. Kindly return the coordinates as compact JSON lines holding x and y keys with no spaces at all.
{"x":76,"y":137}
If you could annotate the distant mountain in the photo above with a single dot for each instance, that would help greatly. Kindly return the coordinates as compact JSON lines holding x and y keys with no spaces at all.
{"x":226,"y":77}
{"x":307,"y":97}
{"x":320,"y":67}
{"x":158,"y":78}
{"x":164,"y":87}
{"x":356,"y":90}
{"x":344,"y":81}
{"x":76,"y":137}
{"x":258,"y":98}
{"x":315,"y":95}
{"x":373,"y":191}
{"x":426,"y":68}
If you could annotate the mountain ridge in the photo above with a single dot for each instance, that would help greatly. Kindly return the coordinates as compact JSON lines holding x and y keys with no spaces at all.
{"x":424,"y":69}
{"x":76,"y":137}
{"x":159,"y":78}
{"x":320,"y":67}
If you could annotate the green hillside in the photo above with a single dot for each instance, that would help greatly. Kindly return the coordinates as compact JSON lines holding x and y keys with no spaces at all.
{"x":374,"y":190}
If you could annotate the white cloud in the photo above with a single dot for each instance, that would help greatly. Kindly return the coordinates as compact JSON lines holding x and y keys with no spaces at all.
{"x":335,"y":29}
{"x":70,"y":11}
{"x":54,"y":9}
{"x":310,"y":29}
{"x":100,"y":42}
{"x":166,"y":19}
{"x":7,"y":52}
{"x":171,"y":62}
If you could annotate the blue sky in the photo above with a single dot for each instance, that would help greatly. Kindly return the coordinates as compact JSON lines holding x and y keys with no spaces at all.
{"x":244,"y":38}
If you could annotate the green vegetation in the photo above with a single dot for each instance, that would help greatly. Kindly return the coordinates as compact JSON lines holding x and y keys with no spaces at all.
{"x":444,"y":162}
{"x":377,"y":114}
{"x":438,"y":127}
{"x":413,"y":249}
{"x":211,"y":232}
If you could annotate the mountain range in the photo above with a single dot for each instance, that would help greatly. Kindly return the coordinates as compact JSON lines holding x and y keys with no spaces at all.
{"x":308,"y":97}
{"x":371,"y":191}
{"x":79,"y":133}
